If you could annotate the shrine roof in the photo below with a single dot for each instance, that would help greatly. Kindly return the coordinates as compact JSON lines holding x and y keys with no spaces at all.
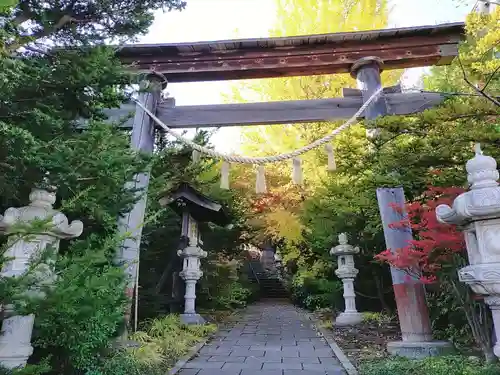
{"x":199,"y":206}
{"x":296,"y":55}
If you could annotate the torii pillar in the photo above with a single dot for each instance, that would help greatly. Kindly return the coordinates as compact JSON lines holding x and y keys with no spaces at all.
{"x":409,"y":293}
{"x":142,"y":140}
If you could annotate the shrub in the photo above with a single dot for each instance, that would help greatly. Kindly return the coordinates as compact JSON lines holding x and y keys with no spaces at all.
{"x":164,"y":340}
{"x":42,"y":368}
{"x":315,"y":293}
{"x":448,"y":365}
{"x":81,"y":312}
{"x":122,"y":362}
{"x":234,"y":295}
{"x":448,"y":319}
{"x":223,"y":288}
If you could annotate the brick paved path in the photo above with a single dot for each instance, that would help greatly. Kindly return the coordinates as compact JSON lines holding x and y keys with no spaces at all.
{"x":271,"y":338}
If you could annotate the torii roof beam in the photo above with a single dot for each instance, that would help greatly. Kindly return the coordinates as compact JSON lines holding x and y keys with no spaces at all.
{"x":296,"y":56}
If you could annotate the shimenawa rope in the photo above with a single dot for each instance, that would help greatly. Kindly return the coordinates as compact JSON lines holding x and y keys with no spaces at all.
{"x":266,"y":159}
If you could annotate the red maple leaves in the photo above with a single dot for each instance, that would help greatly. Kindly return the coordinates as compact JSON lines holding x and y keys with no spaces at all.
{"x":265,"y":201}
{"x":434,"y":243}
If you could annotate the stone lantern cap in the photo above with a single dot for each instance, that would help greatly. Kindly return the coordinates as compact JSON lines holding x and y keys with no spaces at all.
{"x":344,"y":248}
{"x":199,"y":206}
{"x":40,"y":208}
{"x":482,"y":201}
{"x":193,"y":252}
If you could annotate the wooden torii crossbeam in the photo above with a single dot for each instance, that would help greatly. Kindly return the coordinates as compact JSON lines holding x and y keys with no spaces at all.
{"x":363,"y":54}
{"x":290,"y":56}
{"x":269,"y":113}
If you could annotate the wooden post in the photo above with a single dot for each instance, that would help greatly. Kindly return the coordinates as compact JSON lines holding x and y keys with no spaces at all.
{"x":142,"y":140}
{"x":409,"y":293}
{"x":367,"y":73}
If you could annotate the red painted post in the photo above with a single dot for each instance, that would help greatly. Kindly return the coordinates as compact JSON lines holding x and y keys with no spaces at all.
{"x":408,"y":292}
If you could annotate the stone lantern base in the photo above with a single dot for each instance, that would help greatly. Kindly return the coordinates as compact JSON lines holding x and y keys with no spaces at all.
{"x":348,"y":319}
{"x":420,"y":350}
{"x":192,"y":319}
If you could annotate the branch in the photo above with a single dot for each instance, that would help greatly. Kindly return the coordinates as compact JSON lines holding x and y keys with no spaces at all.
{"x":37,"y":50}
{"x":484,"y":55}
{"x":471,"y":115}
{"x":45,"y":32}
{"x":63,"y":21}
{"x":382,"y":144}
{"x":491,"y":77}
{"x":480,"y":92}
{"x":20,"y":19}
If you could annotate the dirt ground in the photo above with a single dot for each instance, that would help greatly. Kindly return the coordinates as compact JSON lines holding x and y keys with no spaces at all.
{"x":366,"y":341}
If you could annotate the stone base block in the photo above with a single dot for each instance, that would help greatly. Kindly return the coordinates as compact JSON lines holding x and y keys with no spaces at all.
{"x":192,"y":319}
{"x":14,"y":357}
{"x":419,"y":350}
{"x":348,"y":319}
{"x":125,"y":344}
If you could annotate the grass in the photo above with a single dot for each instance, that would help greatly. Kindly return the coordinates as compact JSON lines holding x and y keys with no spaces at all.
{"x":326,"y":324}
{"x":447,"y":365}
{"x":378,"y":317}
{"x":164,"y":340}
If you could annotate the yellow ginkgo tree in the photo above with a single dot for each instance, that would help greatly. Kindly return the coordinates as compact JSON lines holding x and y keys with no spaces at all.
{"x":281,"y":221}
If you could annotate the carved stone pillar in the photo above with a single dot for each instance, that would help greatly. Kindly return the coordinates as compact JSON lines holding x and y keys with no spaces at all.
{"x":24,"y":245}
{"x":477,"y":212}
{"x":347,"y":273}
{"x":191,"y":273}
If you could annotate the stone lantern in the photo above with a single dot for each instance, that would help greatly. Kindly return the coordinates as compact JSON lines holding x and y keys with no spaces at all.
{"x":194,"y":208}
{"x":347,"y":273}
{"x":23,"y":247}
{"x":477,"y":212}
{"x":278,"y":259}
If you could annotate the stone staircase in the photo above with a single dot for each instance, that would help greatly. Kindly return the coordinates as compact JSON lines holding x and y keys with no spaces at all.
{"x":269,"y":282}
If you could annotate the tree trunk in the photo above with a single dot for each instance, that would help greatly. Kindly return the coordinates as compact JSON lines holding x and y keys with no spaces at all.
{"x":489,"y":356}
{"x":380,"y":291}
{"x":479,"y":322}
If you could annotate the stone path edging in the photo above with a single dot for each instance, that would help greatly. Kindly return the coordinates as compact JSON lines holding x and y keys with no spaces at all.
{"x":344,"y":361}
{"x":192,"y":352}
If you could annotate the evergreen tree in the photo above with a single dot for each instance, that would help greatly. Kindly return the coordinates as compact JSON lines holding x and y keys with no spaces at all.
{"x":54,"y":72}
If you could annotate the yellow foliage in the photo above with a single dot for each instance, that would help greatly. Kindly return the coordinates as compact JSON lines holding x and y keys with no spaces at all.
{"x":281,"y":218}
{"x":284,"y":224}
{"x":484,"y":36}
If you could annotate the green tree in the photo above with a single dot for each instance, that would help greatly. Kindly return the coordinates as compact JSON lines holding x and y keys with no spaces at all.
{"x":45,"y":90}
{"x":6,"y":4}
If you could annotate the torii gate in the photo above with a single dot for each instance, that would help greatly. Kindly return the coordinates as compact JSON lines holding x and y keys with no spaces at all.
{"x":362,"y":54}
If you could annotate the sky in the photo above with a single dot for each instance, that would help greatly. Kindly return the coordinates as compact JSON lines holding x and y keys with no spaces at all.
{"x":204,"y":20}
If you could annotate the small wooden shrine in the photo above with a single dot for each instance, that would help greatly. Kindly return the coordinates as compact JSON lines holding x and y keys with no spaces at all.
{"x":194,"y":208}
